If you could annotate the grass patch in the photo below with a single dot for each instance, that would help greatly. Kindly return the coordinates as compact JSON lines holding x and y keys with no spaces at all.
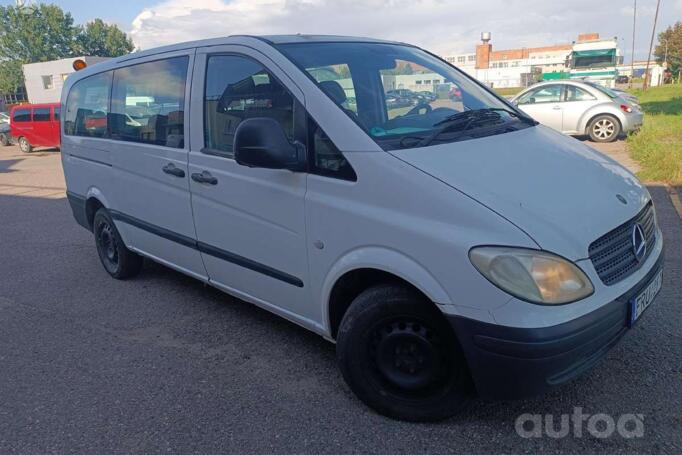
{"x":508,"y":91}
{"x":658,"y":145}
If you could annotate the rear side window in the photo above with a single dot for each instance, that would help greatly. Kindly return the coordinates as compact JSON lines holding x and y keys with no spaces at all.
{"x":577,"y":94}
{"x":41,"y":114}
{"x":87,"y":106}
{"x":22,"y":115}
{"x":148,"y":102}
{"x":238,"y":88}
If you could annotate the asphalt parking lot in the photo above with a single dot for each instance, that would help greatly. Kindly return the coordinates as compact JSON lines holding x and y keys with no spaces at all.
{"x":161,"y":363}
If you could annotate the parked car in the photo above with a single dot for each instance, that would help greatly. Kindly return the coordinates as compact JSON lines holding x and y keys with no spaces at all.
{"x":428,"y":96}
{"x":35,"y":125}
{"x":5,"y":133}
{"x":395,"y":101}
{"x":577,"y":108}
{"x":405,"y":94}
{"x":455,"y":94}
{"x":622,"y":79}
{"x":457,"y":250}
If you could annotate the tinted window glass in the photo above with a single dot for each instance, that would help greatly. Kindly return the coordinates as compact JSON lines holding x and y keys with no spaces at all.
{"x":87,"y":106}
{"x":57,"y":111}
{"x":238,"y":88}
{"x":41,"y":114}
{"x":148,"y":102}
{"x":22,"y":115}
{"x":326,"y":158}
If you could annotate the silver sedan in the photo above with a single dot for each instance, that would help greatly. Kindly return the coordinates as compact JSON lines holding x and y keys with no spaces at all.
{"x":578,"y":108}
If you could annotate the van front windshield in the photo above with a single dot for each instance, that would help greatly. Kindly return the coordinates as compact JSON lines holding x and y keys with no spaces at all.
{"x":402,"y":96}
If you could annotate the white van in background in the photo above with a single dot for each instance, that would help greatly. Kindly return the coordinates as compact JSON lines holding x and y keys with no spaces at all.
{"x":450,"y":247}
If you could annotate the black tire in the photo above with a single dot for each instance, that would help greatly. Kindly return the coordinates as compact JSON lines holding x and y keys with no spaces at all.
{"x":4,"y":140}
{"x":399,"y":355}
{"x":24,"y":145}
{"x":604,"y":128}
{"x":118,"y":261}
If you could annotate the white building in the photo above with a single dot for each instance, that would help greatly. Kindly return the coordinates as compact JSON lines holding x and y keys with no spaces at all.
{"x":44,"y":80}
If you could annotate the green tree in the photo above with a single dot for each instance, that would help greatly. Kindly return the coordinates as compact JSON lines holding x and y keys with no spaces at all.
{"x":102,"y":40}
{"x":32,"y":34}
{"x":672,"y":36}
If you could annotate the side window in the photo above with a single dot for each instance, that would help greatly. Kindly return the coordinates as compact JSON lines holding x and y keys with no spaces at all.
{"x":148,"y":102}
{"x":41,"y":114}
{"x":337,"y":83}
{"x":57,"y":111}
{"x":87,"y":106}
{"x":546,"y":94}
{"x":325,"y":158}
{"x":577,"y":94}
{"x":238,"y":88}
{"x":22,"y":115}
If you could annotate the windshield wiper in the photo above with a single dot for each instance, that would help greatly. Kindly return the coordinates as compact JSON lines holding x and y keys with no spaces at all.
{"x":468,"y":118}
{"x":469,"y":113}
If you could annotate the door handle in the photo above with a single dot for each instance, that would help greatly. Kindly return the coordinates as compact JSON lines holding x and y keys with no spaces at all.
{"x":172,"y":170}
{"x":204,"y":177}
{"x":557,"y":108}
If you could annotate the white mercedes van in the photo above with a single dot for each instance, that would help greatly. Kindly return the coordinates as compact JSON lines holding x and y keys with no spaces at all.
{"x":446,"y":242}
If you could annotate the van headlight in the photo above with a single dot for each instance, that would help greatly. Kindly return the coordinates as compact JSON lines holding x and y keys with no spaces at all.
{"x":532,"y":275}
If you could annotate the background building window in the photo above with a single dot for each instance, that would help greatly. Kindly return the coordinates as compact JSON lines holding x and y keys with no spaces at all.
{"x":47,"y":82}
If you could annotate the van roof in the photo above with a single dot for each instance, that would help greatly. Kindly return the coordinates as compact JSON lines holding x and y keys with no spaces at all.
{"x":246,"y":40}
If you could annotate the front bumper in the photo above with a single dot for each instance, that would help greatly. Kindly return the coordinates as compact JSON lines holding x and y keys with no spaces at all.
{"x":510,"y":363}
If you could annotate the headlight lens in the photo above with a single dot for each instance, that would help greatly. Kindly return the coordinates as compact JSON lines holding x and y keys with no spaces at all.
{"x":532,"y":275}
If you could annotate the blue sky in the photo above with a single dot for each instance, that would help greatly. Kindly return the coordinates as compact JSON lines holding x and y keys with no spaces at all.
{"x":443,"y":26}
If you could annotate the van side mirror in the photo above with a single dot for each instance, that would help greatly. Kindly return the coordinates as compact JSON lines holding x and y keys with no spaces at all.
{"x":261,"y":142}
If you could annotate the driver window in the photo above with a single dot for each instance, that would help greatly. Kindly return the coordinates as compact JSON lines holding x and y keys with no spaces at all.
{"x":413,"y":89}
{"x":337,"y":83}
{"x":546,"y":94}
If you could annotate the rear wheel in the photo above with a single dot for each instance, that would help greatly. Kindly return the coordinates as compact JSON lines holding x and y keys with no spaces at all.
{"x":24,"y":145}
{"x":118,"y":261}
{"x":400,"y":357}
{"x":604,"y":128}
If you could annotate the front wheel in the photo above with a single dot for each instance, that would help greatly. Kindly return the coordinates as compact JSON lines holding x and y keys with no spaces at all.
{"x":4,"y":140}
{"x":400,"y":357}
{"x":604,"y":128}
{"x":24,"y":145}
{"x":118,"y":261}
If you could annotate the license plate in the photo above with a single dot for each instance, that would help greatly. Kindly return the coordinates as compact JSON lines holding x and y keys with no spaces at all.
{"x":640,"y":303}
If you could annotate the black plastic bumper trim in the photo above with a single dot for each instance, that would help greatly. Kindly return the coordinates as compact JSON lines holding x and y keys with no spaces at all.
{"x":512,"y":362}
{"x":78,"y":208}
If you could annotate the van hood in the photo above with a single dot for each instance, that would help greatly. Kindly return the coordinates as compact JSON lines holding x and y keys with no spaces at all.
{"x":559,"y":191}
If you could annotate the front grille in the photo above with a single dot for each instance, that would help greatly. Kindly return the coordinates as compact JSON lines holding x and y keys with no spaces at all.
{"x":612,"y":254}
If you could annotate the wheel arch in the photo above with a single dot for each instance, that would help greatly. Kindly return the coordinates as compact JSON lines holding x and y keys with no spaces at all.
{"x":593,"y":113}
{"x":361,"y":269}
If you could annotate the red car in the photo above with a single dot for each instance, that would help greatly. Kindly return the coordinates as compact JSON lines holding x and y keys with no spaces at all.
{"x":35,"y":125}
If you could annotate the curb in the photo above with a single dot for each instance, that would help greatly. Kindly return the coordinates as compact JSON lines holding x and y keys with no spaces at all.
{"x":675,"y":199}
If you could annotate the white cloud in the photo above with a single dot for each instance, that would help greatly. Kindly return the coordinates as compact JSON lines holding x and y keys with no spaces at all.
{"x":439,"y":25}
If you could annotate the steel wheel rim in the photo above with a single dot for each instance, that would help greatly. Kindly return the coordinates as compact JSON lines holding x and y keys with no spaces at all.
{"x":409,"y":358}
{"x":604,"y":129}
{"x":106,"y":241}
